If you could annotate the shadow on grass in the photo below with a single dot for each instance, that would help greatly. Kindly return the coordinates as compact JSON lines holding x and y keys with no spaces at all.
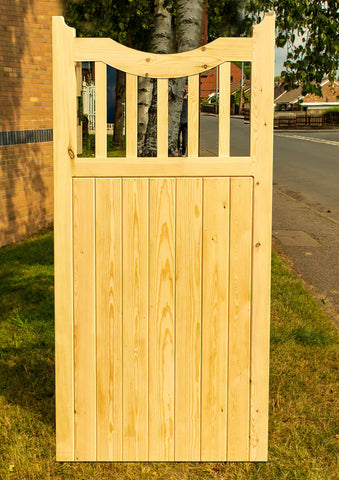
{"x":27,"y":326}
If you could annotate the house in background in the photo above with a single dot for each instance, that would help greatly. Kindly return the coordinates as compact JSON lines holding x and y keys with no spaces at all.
{"x":294,"y":100}
{"x":317,"y":105}
{"x":209,"y":81}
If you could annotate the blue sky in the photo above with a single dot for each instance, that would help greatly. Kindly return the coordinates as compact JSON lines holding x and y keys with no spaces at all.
{"x":280,"y":57}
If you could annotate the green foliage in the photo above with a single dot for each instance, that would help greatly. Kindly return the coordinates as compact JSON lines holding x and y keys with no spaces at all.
{"x":312,"y":23}
{"x":309,"y":28}
{"x":332,"y":116}
{"x":332,"y":110}
{"x":225,"y":18}
{"x":127,"y":22}
{"x":235,"y":97}
{"x":247,"y":69}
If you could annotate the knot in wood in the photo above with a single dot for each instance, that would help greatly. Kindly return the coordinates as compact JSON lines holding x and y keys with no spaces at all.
{"x":148,"y":59}
{"x":258,"y":244}
{"x":205,"y":66}
{"x":71,"y":153}
{"x":203,"y":49}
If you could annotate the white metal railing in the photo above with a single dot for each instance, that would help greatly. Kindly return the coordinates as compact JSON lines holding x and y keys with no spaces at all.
{"x":88,"y":100}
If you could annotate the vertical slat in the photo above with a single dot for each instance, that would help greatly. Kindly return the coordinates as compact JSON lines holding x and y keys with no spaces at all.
{"x":224,"y":108}
{"x":161,"y":319}
{"x":78,"y":71}
{"x":193,"y":116}
{"x":109,"y":319}
{"x":64,"y":131}
{"x":188,"y":319}
{"x":262,"y":151}
{"x":84,"y":319}
{"x":131,"y":115}
{"x":100,"y":110}
{"x":162,"y":120}
{"x":135,"y":319}
{"x":239,"y":319}
{"x":215,"y":319}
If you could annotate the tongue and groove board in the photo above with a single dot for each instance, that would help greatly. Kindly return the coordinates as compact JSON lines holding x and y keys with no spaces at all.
{"x":162,"y":295}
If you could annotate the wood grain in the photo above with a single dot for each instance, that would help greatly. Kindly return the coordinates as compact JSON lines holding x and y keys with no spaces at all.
{"x":215,"y":319}
{"x":224,"y":109}
{"x":262,"y":151}
{"x":188,"y":319}
{"x":164,"y":167}
{"x":161,"y":319}
{"x":84,"y":319}
{"x":193,"y":116}
{"x":109,"y":319}
{"x":64,"y":131}
{"x":162,"y":267}
{"x":239,"y":319}
{"x":135,"y":319}
{"x":162,"y":120}
{"x":153,"y":65}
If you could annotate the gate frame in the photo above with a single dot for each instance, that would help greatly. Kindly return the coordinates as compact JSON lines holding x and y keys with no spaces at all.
{"x":67,"y":50}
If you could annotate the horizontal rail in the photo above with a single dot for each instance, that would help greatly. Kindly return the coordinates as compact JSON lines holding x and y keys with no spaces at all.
{"x":163,"y":66}
{"x":171,"y":167}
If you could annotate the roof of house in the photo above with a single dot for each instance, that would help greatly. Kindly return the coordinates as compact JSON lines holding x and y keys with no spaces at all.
{"x":237,"y":85}
{"x":330,"y":95}
{"x":278,"y":91}
{"x":293,"y":96}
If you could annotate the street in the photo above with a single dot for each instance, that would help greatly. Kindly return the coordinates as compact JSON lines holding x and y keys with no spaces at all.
{"x":306,"y":164}
{"x":305,"y":199}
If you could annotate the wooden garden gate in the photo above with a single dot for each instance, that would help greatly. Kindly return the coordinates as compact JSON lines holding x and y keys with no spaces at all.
{"x":162,"y":267}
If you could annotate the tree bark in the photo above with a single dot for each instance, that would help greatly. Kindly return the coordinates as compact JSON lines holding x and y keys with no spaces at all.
{"x":190,"y":14}
{"x":189,"y":28}
{"x":120,"y":93}
{"x":145,"y":89}
{"x":150,"y":145}
{"x":162,"y":39}
{"x":147,"y":95}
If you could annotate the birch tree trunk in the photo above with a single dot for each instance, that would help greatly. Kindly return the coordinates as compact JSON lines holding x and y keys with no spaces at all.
{"x":145,"y":90}
{"x":189,"y":27}
{"x":162,"y":41}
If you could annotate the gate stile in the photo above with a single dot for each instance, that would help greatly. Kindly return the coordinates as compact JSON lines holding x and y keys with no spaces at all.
{"x":162,"y":267}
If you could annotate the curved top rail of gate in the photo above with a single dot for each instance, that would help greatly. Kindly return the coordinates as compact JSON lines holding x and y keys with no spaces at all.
{"x":259,"y":50}
{"x":165,"y":66}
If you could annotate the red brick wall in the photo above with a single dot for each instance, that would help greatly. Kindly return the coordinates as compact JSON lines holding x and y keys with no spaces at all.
{"x":209,"y":84}
{"x":26,"y":170}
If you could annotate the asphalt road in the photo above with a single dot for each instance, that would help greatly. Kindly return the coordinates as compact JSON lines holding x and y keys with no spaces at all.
{"x":306,"y":164}
{"x":305,"y":201}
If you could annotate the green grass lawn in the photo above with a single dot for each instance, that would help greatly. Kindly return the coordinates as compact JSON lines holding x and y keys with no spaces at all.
{"x":303,"y":432}
{"x":88,"y":147}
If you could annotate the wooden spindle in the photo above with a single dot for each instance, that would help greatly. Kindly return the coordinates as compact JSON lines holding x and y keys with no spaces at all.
{"x":162,"y":124}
